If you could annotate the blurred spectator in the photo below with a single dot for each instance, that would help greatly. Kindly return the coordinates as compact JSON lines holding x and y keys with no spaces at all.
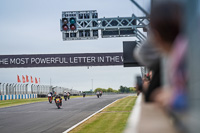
{"x":149,"y":56}
{"x":166,"y":30}
{"x":146,"y":82}
{"x":155,"y":82}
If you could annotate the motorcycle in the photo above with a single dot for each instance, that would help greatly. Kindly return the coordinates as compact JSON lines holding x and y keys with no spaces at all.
{"x":65,"y":97}
{"x":83,"y":95}
{"x":98,"y":95}
{"x":58,"y":102}
{"x":68,"y":96}
{"x":50,"y":98}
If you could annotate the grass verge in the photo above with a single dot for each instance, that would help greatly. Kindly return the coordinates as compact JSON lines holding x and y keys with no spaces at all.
{"x":9,"y":103}
{"x":112,"y":119}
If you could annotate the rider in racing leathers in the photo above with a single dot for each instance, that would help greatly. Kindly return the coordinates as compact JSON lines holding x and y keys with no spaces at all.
{"x":57,"y":96}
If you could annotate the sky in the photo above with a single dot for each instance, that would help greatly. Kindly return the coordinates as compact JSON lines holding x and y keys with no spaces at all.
{"x":33,"y":27}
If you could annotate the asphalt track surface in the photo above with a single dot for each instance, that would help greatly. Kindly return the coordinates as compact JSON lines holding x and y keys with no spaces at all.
{"x":44,"y":117}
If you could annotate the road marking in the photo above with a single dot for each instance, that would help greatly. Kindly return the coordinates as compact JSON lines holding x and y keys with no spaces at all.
{"x":88,"y":117}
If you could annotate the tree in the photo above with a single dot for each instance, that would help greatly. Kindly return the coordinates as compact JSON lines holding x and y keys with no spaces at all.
{"x":115,"y":91}
{"x":110,"y":90}
{"x":98,"y":89}
{"x":132,"y":89}
{"x":122,"y":89}
{"x":104,"y":90}
{"x":127,"y":90}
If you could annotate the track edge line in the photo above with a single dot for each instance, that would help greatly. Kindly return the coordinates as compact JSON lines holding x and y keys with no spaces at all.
{"x":71,"y":128}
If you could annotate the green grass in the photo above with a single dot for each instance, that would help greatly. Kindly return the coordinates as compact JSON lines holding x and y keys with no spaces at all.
{"x":8,"y":103}
{"x":113,"y":119}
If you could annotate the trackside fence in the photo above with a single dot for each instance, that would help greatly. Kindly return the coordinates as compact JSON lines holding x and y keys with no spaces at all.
{"x":9,"y":91}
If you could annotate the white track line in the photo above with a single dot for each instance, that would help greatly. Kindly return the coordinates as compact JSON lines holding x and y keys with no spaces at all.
{"x":88,"y":117}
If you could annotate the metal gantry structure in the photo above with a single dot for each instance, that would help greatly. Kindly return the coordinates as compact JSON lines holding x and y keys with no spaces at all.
{"x":85,"y":25}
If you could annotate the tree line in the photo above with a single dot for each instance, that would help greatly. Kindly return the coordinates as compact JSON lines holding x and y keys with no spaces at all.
{"x":122,"y":89}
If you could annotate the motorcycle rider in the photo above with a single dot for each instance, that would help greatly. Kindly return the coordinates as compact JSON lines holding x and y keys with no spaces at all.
{"x":101,"y":93}
{"x":65,"y":95}
{"x":98,"y":94}
{"x":54,"y":94}
{"x":68,"y":95}
{"x":50,"y":95}
{"x":58,"y":96}
{"x":84,"y":94}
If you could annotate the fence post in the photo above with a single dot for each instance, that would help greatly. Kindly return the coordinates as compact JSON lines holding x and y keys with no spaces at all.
{"x":26,"y":88}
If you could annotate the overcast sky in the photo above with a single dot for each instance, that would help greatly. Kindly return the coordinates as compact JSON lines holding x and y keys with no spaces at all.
{"x":33,"y":27}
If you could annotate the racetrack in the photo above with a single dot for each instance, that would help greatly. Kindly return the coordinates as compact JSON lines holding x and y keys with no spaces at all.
{"x":45,"y":117}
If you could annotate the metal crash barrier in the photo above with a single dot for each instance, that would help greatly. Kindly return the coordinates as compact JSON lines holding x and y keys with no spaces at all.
{"x":9,"y":91}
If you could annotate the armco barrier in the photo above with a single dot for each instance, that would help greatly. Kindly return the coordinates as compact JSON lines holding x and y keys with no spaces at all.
{"x":20,"y":96}
{"x":21,"y":90}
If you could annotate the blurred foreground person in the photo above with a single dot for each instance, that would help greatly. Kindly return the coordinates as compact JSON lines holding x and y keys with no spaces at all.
{"x":149,"y":56}
{"x":165,"y":25}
